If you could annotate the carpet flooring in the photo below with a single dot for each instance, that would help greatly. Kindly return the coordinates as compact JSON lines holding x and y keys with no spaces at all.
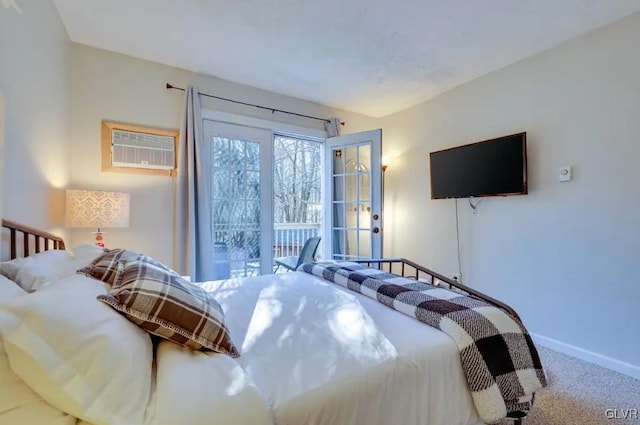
{"x":580,"y":393}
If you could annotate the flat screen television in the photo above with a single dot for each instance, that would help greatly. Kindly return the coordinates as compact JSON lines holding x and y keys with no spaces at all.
{"x":495,"y":167}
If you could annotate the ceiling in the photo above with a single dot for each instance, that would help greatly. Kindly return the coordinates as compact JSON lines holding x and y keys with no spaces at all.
{"x":375,"y":57}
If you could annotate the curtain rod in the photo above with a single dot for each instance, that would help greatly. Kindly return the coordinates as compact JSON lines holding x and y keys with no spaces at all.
{"x":273,"y":110}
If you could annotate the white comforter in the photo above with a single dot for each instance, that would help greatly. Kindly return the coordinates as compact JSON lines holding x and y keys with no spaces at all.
{"x":196,"y":388}
{"x":311,"y":353}
{"x":314,"y":353}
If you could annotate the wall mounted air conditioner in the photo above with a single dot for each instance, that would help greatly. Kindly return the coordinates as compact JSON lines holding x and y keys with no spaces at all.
{"x":128,"y":148}
{"x":141,"y":150}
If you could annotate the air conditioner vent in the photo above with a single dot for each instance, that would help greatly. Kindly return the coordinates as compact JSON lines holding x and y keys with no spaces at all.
{"x":141,"y":150}
{"x":135,"y":149}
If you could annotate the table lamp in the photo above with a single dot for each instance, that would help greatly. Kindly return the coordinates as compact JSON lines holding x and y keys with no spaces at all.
{"x":97,"y":209}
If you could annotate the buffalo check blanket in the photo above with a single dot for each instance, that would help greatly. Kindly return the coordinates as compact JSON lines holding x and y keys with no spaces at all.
{"x":500,"y":362}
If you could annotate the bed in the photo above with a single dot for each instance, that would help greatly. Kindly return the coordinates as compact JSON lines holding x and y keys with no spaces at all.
{"x":312,"y":352}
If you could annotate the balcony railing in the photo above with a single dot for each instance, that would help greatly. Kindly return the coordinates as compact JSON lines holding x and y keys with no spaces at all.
{"x":289,"y":238}
{"x":237,"y":258}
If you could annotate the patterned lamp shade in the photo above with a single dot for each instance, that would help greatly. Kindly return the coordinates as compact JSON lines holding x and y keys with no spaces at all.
{"x":96,"y":208}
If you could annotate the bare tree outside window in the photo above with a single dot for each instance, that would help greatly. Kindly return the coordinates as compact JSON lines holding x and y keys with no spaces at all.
{"x":236,"y":207}
{"x":297,"y":179}
{"x":297,"y":184}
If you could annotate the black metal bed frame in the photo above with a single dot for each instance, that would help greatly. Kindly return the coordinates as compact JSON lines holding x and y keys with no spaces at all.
{"x":407,"y":268}
{"x":410,"y":269}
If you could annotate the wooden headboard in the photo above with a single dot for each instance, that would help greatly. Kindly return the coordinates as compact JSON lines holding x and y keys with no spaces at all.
{"x":30,"y":237}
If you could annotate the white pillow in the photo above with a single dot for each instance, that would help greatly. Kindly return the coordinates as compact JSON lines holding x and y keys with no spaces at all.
{"x":10,"y":268}
{"x":78,"y":354}
{"x":86,"y":253}
{"x":9,"y":289}
{"x":32,"y":272}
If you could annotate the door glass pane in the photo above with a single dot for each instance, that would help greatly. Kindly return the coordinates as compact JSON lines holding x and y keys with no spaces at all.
{"x":339,"y":244}
{"x":364,"y":216}
{"x":364,"y":243}
{"x":220,"y":183}
{"x":297,"y":192}
{"x":236,"y":210}
{"x":237,"y":153}
{"x":236,"y":216}
{"x":339,"y":214}
{"x":350,"y":158}
{"x":221,"y":209}
{"x":253,"y":156}
{"x":364,"y":186}
{"x":221,"y":256}
{"x":252,"y":244}
{"x":351,"y":194}
{"x":338,"y":188}
{"x":252,"y":213}
{"x":220,"y":151}
{"x":236,"y":245}
{"x":238,"y":184}
{"x":352,"y":215}
{"x":253,"y":185}
{"x":352,"y":242}
{"x":364,"y":154}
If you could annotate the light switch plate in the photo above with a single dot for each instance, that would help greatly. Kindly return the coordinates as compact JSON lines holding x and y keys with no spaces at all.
{"x":564,"y":174}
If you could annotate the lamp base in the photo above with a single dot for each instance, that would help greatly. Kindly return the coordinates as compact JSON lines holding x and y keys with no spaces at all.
{"x":99,"y":239}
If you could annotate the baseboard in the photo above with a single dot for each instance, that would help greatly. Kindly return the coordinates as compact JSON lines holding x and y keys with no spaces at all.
{"x":588,"y":356}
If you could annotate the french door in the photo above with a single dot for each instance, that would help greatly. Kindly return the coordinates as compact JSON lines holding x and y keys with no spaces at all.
{"x":353,"y":204}
{"x":242,"y":171}
{"x":241,"y":198}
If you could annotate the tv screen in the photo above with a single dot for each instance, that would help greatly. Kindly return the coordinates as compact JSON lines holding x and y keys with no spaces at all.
{"x":496,"y":167}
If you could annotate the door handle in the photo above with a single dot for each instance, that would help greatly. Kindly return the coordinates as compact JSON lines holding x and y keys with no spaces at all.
{"x":376,"y":230}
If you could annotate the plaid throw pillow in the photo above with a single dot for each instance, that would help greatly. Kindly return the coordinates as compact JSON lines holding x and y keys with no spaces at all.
{"x":105,"y":267}
{"x":164,"y":304}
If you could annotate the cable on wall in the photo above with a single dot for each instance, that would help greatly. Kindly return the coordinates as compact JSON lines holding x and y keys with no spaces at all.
{"x":458,"y":242}
{"x":273,"y":110}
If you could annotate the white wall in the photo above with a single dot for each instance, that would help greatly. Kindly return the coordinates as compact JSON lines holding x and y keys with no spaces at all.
{"x":120,"y":88}
{"x":34,"y":76}
{"x":566,"y":256}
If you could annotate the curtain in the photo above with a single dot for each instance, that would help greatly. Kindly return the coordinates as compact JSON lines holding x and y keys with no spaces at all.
{"x":194,"y":236}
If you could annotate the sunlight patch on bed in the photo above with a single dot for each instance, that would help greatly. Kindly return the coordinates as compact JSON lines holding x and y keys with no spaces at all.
{"x":297,"y":332}
{"x":239,"y":381}
{"x":267,"y":309}
{"x":358,"y":334}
